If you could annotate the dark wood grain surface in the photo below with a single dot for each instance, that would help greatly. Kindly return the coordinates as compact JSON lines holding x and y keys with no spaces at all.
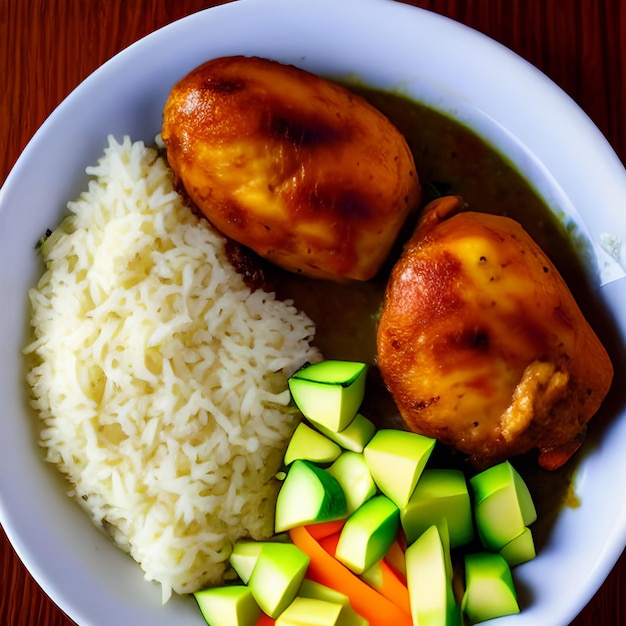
{"x":47,"y":47}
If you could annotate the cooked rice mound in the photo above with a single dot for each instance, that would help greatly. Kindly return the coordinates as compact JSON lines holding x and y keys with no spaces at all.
{"x":159,"y":377}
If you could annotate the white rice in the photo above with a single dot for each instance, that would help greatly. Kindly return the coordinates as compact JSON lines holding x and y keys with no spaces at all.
{"x":159,"y":377}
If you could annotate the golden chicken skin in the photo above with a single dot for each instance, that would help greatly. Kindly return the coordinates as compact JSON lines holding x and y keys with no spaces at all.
{"x":297,"y":168}
{"x":481,"y":343}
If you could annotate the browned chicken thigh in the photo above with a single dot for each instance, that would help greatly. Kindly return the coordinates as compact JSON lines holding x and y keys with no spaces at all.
{"x":482,"y":345}
{"x":293,"y":166}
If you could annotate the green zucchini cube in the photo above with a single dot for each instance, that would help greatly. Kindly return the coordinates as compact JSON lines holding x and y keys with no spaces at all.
{"x":353,"y":474}
{"x":277,"y":576}
{"x":489,"y":588}
{"x":308,"y":495}
{"x":355,"y":436}
{"x":317,"y":612}
{"x":310,"y":445}
{"x":503,"y":506}
{"x":368,"y":534}
{"x":429,"y":581}
{"x":243,"y":558}
{"x":317,"y":591}
{"x":396,"y":459}
{"x":439,"y":494}
{"x":228,"y":606}
{"x":520,"y":549}
{"x":329,"y":393}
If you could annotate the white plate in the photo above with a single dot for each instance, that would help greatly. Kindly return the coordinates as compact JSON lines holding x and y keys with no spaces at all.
{"x":388,"y":45}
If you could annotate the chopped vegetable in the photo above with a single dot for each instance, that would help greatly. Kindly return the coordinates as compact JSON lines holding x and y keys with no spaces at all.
{"x":355,"y":478}
{"x":265,"y":620}
{"x":366,"y":601}
{"x":490,"y":591}
{"x":382,"y":577}
{"x":440,"y":494}
{"x":430,"y":582}
{"x":368,"y":534}
{"x":520,"y":549}
{"x":311,"y":445}
{"x":396,"y":560}
{"x":396,"y":459}
{"x":308,"y":495}
{"x":228,"y":606}
{"x":355,"y":436}
{"x":503,"y":505}
{"x":329,"y":392}
{"x":277,"y":576}
{"x":325,"y":529}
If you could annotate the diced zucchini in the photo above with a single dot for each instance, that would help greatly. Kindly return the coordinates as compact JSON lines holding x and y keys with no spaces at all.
{"x":520,"y":549}
{"x":353,"y":474}
{"x":368,"y":533}
{"x":439,"y":494}
{"x":503,"y":505}
{"x":489,"y":588}
{"x":316,"y":612}
{"x":355,"y":436}
{"x":228,"y":606}
{"x":329,"y":393}
{"x":308,"y":495}
{"x":277,"y":576}
{"x":396,"y":459}
{"x":243,"y":558}
{"x":310,"y":445}
{"x":311,"y":589}
{"x":317,"y":591}
{"x":430,"y":583}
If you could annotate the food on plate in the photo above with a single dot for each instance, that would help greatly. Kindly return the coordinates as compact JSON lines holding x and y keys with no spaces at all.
{"x":390,"y":574}
{"x":368,"y":534}
{"x":228,"y":606}
{"x":308,"y":495}
{"x":440,"y":494}
{"x":490,"y":591}
{"x":354,"y":477}
{"x":161,"y":379}
{"x":429,"y":580}
{"x":503,"y":505}
{"x":277,"y":574}
{"x":329,"y":392}
{"x":482,"y":345}
{"x":171,"y":379}
{"x":309,"y":445}
{"x":396,"y":459}
{"x":297,"y":168}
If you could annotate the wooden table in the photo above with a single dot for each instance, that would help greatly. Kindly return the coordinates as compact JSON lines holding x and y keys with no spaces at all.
{"x":48,"y":46}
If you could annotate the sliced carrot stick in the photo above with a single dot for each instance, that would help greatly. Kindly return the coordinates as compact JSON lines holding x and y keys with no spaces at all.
{"x":365,"y":600}
{"x":265,"y":620}
{"x":323,"y":529}
{"x":381,"y":577}
{"x":329,"y":543}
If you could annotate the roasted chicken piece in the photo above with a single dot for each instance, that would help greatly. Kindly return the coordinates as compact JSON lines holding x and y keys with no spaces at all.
{"x":293,"y":166}
{"x":482,"y":345}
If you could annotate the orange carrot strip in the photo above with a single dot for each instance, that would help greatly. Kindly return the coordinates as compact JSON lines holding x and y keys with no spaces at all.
{"x":329,"y":543}
{"x":265,"y":620}
{"x":323,"y":529}
{"x":365,"y":600}
{"x":388,"y":585}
